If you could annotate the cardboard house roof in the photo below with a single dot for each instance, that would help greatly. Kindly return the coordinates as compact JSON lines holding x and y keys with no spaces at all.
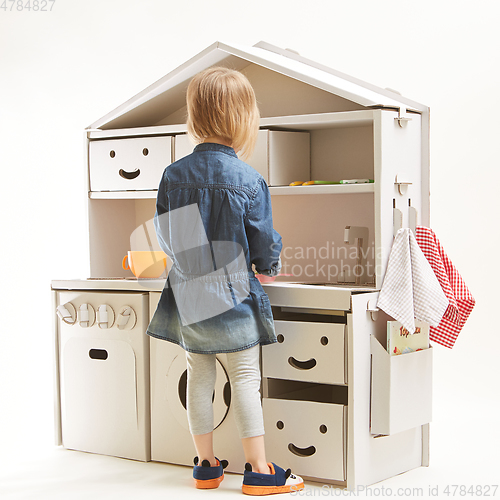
{"x":285,"y":84}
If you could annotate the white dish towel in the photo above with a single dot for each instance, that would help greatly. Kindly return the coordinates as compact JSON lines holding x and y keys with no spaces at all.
{"x":410,"y":289}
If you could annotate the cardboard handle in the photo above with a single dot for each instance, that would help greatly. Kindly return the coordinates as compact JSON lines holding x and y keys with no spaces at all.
{"x":98,"y":354}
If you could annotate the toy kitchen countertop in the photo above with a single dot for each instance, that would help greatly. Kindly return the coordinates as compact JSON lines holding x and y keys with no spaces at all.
{"x":115,"y":284}
{"x":329,"y":296}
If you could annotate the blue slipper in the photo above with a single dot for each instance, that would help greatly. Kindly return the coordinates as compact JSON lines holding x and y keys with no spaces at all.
{"x":207,"y":477}
{"x":278,"y":481}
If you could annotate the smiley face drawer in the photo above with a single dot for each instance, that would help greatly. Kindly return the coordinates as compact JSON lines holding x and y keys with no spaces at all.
{"x":307,"y":437}
{"x":129,"y":164}
{"x":306,"y":351}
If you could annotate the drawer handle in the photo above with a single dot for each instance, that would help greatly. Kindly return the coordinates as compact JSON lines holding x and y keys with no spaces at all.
{"x":302,"y":365}
{"x":302,"y":452}
{"x":129,"y":175}
{"x":98,"y":354}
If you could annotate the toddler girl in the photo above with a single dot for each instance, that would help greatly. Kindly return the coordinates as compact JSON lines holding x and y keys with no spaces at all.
{"x":214,"y":220}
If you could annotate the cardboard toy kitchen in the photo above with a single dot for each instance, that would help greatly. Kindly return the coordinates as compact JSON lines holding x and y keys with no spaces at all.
{"x":338,"y":408}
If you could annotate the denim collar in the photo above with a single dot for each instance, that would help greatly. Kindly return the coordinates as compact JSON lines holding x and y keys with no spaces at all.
{"x":212,"y":146}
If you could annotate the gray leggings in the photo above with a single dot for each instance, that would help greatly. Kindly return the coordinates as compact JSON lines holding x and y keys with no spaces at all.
{"x":244,"y":375}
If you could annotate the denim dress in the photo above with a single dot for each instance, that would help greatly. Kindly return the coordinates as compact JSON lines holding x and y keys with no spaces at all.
{"x":214,"y":220}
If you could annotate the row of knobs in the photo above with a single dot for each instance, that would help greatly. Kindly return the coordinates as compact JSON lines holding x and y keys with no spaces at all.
{"x":86,"y":316}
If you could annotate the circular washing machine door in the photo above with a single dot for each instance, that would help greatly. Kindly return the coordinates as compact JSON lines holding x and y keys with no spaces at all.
{"x":176,"y":392}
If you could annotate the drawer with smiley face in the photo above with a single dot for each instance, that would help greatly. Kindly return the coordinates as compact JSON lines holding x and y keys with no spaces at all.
{"x":307,"y":437}
{"x":128,"y":164}
{"x":307,"y":351}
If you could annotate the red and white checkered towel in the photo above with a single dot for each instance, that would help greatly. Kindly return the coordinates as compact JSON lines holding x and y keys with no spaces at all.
{"x":410,"y":289}
{"x":460,"y":299}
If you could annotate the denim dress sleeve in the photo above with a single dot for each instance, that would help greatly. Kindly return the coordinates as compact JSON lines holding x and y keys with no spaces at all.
{"x":160,"y":221}
{"x":263,"y":240}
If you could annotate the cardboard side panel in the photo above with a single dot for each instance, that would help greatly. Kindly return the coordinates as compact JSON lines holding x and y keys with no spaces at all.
{"x":182,"y":146}
{"x":57,"y":378}
{"x":371,"y":459}
{"x":397,"y":153}
{"x":289,"y":157}
{"x":380,"y":390}
{"x":260,"y":156}
{"x":425,"y":445}
{"x":117,"y":226}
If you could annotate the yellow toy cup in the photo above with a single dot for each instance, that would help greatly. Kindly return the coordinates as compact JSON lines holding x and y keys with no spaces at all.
{"x":145,"y":264}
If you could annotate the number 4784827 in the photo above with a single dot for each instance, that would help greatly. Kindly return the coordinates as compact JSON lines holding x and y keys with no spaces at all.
{"x":27,"y":5}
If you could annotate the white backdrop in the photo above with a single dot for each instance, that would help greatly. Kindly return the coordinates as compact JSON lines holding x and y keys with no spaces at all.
{"x":61,"y":70}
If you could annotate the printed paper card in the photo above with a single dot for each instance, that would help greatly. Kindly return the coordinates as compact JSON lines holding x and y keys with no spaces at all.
{"x":401,"y":341}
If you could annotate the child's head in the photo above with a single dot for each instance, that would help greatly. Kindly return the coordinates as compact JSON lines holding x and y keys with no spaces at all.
{"x":221,"y":103}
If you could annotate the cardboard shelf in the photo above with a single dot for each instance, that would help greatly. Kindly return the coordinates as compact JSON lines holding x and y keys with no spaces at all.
{"x":180,"y":128}
{"x":323,"y":189}
{"x":320,"y":120}
{"x":123,"y":195}
{"x":274,"y":190}
{"x":298,"y":390}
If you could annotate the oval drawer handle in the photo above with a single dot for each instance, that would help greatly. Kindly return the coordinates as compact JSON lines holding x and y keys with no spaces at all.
{"x":129,"y":175}
{"x":302,"y":452}
{"x":302,"y":365}
{"x":98,"y":354}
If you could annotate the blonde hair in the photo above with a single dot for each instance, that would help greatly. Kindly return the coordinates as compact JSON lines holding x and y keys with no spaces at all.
{"x":221,"y":103}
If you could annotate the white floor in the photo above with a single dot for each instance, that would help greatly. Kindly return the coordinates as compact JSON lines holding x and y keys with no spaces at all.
{"x":464,"y":445}
{"x":462,"y":453}
{"x":64,"y":474}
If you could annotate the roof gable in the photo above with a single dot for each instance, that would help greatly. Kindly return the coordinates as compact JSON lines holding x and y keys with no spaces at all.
{"x":285,"y":84}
